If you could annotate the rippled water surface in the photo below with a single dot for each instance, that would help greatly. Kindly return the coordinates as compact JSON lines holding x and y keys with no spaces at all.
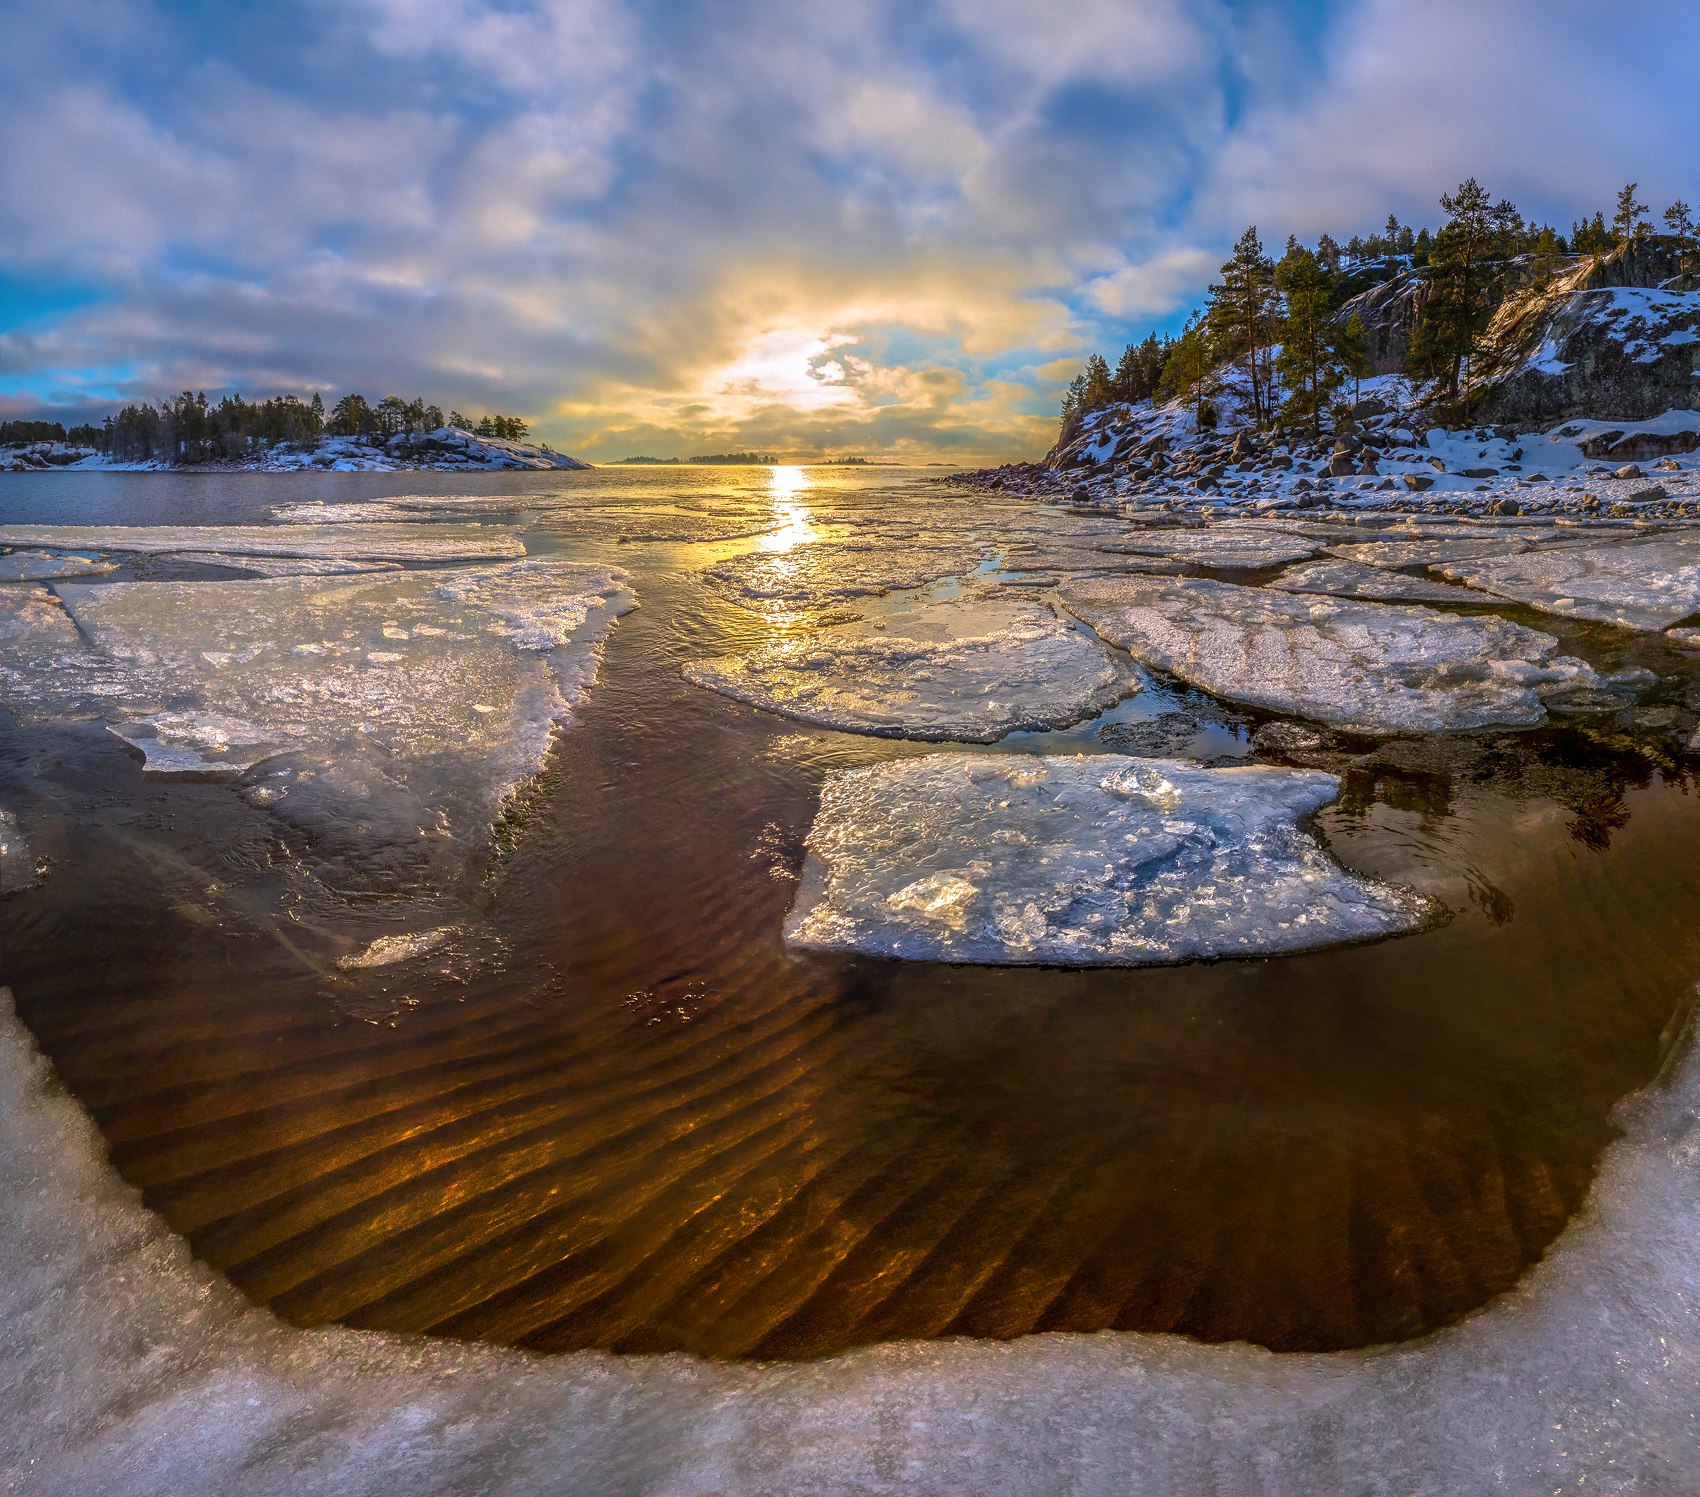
{"x":624,"y":1116}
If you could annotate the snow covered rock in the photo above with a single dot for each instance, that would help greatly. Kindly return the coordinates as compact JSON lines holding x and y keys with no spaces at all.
{"x":1639,"y":584}
{"x":1089,"y":860}
{"x":971,"y":672}
{"x":1374,"y":667}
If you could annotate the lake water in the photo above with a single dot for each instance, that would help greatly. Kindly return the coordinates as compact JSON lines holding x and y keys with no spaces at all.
{"x":625,"y":1116}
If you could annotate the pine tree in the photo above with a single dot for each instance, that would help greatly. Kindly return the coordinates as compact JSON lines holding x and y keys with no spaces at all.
{"x":1626,"y":223}
{"x":1097,"y":388}
{"x":1188,"y":370}
{"x":1241,"y":313}
{"x":1351,"y":347}
{"x":1457,"y":310}
{"x":1308,"y":363}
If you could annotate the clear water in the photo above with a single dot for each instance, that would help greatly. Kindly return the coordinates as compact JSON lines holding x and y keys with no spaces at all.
{"x":628,"y":1118}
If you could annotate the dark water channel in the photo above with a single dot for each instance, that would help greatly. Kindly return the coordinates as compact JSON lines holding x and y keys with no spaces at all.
{"x":640,"y":1124}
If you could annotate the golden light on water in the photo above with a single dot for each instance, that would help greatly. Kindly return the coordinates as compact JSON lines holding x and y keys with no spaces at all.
{"x":786,"y":486}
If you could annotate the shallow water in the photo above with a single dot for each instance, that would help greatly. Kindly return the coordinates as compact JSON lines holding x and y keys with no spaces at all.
{"x":625,"y":1117}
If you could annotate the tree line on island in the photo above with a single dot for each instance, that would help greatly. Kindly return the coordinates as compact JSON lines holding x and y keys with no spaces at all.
{"x":189,"y":429}
{"x":1284,"y":323}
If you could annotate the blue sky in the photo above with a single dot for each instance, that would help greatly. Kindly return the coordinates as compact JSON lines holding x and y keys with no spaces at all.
{"x":869,"y":226}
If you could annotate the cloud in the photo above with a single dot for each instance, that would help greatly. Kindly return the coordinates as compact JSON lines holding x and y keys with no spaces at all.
{"x":822,"y":228}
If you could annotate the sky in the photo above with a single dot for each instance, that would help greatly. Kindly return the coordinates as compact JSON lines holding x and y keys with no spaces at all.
{"x":887,"y":228}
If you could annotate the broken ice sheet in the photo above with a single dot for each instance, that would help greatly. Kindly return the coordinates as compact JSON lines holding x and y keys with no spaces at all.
{"x":1091,"y":860}
{"x":40,"y":566}
{"x":421,"y":543}
{"x":200,"y":745}
{"x":281,"y":566}
{"x":1638,"y":584}
{"x":1375,"y":667}
{"x":390,"y":716}
{"x":968,"y":671}
{"x":1351,"y":579}
{"x":1236,"y":547}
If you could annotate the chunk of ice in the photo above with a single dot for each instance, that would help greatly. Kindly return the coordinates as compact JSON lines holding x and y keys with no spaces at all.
{"x":1639,"y":584}
{"x":972,"y":672}
{"x":1375,"y":667}
{"x":282,"y":566}
{"x":200,"y":745}
{"x":1244,"y":547}
{"x":1095,"y":860}
{"x":1351,"y":579}
{"x":425,"y":543}
{"x":40,"y":566}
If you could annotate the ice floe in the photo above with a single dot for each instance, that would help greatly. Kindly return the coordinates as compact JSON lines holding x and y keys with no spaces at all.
{"x":1236,"y":547}
{"x":201,"y":745}
{"x":281,"y":566}
{"x":1089,"y":860}
{"x":422,"y":543}
{"x":385,"y":718}
{"x":1376,"y":667}
{"x":1639,"y":584}
{"x":966,"y":671}
{"x":1352,"y":579}
{"x":37,"y":566}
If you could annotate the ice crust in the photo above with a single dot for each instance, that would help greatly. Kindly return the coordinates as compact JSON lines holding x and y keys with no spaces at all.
{"x":36,"y":566}
{"x":421,"y":543}
{"x":1092,"y":860}
{"x":1638,"y":584}
{"x":200,"y":745}
{"x":1351,"y":579}
{"x":971,"y":672}
{"x":1375,"y":667}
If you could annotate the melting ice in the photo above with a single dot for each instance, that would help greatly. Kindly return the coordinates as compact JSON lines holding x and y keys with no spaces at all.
{"x":1090,"y":860}
{"x":1376,"y":667}
{"x":971,"y":671}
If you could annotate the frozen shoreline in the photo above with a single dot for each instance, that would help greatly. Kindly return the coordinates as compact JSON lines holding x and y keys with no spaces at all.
{"x":133,"y":1369}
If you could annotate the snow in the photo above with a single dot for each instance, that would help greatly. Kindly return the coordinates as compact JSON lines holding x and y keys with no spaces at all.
{"x":36,"y":566}
{"x":967,"y":671}
{"x":422,"y":543}
{"x":1096,"y":859}
{"x":1638,"y":584}
{"x":1351,"y":579}
{"x":1375,"y":667}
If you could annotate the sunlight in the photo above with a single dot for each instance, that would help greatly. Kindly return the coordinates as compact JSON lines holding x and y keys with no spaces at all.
{"x":785,"y":485}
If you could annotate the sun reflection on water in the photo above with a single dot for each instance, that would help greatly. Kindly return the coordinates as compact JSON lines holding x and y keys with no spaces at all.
{"x":785,"y":487}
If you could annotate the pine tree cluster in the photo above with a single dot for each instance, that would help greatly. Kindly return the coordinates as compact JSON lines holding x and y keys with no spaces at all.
{"x":188,"y":429}
{"x":1282,"y":325}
